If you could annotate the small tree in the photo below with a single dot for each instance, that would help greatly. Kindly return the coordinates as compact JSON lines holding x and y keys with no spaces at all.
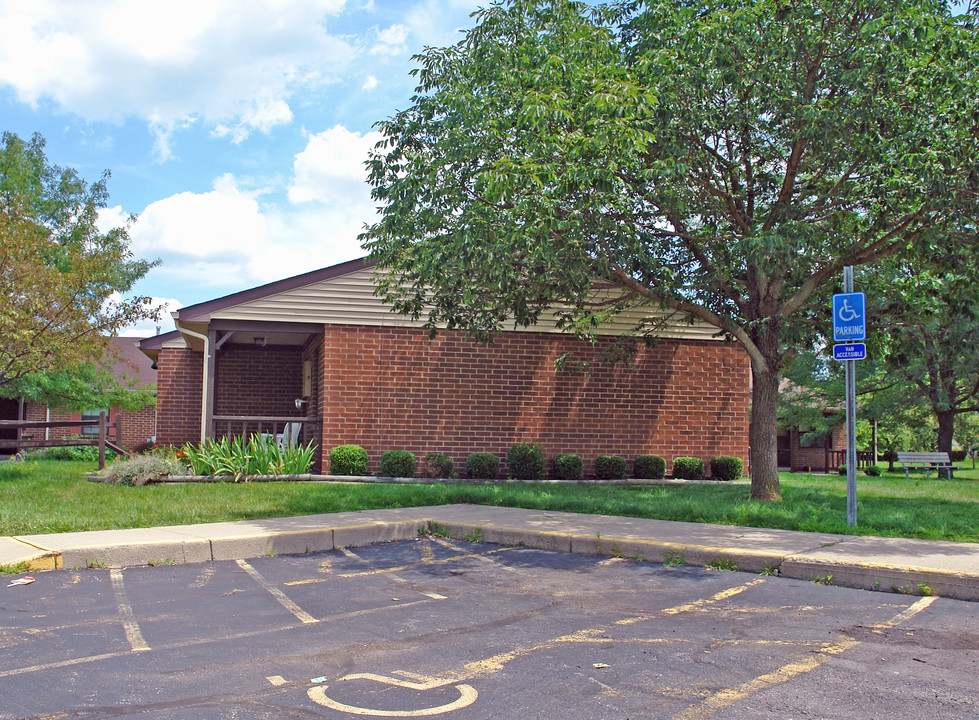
{"x":61,"y":278}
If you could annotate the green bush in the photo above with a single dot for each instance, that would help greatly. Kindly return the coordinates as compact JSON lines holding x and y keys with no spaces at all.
{"x":688,"y":468}
{"x":958,"y":455}
{"x":71,"y":452}
{"x":525,"y":461}
{"x":725,"y":467}
{"x":649,"y":467}
{"x":872,"y":471}
{"x":841,"y":469}
{"x":610,"y":467}
{"x":398,"y":463}
{"x":567,"y":466}
{"x":482,"y":466}
{"x":438,"y":465}
{"x":348,"y":460}
{"x":141,"y":469}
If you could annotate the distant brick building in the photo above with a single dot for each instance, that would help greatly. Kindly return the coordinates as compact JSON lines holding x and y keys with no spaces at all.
{"x":138,"y":427}
{"x":320,"y":349}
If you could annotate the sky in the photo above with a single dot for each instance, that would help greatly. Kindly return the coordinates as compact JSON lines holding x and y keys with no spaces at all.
{"x":234,"y":130}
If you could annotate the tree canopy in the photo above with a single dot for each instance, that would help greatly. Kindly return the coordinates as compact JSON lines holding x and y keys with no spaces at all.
{"x":62,"y":279}
{"x":723,"y":159}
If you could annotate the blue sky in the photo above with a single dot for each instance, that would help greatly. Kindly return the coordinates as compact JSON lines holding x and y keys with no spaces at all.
{"x":235,"y":130}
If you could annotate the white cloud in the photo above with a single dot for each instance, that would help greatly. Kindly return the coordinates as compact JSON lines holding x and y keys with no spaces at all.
{"x":427,"y":20}
{"x":369,"y":83}
{"x":391,"y":40}
{"x":236,"y":63}
{"x":203,"y":238}
{"x":233,"y":238}
{"x":331,"y":168}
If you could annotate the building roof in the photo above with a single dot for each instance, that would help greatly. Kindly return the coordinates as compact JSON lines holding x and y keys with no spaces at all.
{"x":128,"y":363}
{"x":288,"y":311}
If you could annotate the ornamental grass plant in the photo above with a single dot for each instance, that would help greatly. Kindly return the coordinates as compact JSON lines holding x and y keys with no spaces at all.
{"x":240,"y":457}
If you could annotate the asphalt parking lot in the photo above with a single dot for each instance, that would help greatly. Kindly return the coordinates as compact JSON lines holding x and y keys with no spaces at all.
{"x":439,"y":628}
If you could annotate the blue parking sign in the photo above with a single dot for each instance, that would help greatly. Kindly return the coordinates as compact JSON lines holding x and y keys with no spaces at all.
{"x":849,"y":317}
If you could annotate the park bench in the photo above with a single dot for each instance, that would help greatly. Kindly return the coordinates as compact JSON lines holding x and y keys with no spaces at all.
{"x":927,"y":461}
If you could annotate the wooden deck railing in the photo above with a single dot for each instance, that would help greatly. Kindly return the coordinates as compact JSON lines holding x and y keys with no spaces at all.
{"x":101,"y":439}
{"x":836,"y":458}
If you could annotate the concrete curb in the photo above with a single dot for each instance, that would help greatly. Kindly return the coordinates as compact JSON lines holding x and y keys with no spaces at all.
{"x":887,"y":564}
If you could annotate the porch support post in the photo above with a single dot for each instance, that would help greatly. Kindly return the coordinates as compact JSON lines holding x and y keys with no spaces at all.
{"x":209,"y":359}
{"x":207,"y":378}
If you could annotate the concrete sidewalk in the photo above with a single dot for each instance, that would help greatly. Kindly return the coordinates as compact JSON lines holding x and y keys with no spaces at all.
{"x":874,"y":563}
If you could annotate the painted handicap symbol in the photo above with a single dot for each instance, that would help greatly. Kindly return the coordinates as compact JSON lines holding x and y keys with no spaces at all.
{"x":467,"y":695}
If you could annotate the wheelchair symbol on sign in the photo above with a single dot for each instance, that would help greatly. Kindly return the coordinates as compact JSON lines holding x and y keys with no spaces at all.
{"x":467,"y":695}
{"x":847,"y":313}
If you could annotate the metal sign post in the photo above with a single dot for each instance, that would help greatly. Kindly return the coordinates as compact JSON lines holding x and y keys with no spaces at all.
{"x":849,"y":325}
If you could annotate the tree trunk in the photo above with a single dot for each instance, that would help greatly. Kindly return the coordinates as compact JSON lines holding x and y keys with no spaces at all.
{"x":946,"y":428}
{"x":762,"y":435}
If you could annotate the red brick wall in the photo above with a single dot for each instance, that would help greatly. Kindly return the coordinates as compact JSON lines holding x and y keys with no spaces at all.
{"x":814,"y":459}
{"x":253,"y":380}
{"x":137,"y":426}
{"x":392,"y":388}
{"x":178,"y":396}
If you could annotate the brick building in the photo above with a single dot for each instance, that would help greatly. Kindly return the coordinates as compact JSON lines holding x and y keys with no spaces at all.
{"x":138,"y":426}
{"x":800,"y":450}
{"x":321,"y":349}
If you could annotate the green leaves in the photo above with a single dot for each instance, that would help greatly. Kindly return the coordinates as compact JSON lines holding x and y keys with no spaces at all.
{"x":60,"y":276}
{"x":240,"y":457}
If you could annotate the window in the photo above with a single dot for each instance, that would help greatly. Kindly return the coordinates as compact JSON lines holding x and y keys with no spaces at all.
{"x":91,"y":415}
{"x":815,"y":439}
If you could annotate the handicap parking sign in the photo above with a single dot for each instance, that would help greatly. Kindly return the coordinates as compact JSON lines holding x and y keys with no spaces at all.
{"x":849,"y":317}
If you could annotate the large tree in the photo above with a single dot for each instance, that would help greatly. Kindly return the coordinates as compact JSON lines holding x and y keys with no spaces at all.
{"x":722,"y":159}
{"x":62,"y":279}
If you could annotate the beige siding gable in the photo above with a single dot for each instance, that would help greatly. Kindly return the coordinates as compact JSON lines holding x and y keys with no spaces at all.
{"x":349,"y":300}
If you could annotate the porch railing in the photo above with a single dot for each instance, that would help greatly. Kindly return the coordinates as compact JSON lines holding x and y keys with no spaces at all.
{"x":233,"y":425}
{"x":835,"y":458}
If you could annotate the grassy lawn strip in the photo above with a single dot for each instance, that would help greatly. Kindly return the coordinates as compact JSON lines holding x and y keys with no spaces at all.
{"x":52,"y":496}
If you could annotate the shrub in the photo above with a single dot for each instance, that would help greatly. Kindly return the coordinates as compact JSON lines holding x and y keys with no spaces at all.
{"x":958,"y":455}
{"x":567,"y":466}
{"x":438,"y":465}
{"x":688,"y":468}
{"x":482,"y":466}
{"x":398,"y":463}
{"x":841,"y":469}
{"x":610,"y":467}
{"x":348,"y":460}
{"x":725,"y":467}
{"x":525,"y":461}
{"x":70,"y":452}
{"x":872,"y":471}
{"x":141,"y":469}
{"x":649,"y":467}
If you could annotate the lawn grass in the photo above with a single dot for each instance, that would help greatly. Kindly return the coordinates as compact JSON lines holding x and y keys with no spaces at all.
{"x":52,"y":496}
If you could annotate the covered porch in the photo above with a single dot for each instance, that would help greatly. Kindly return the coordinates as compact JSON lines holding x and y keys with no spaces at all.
{"x":242,"y":377}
